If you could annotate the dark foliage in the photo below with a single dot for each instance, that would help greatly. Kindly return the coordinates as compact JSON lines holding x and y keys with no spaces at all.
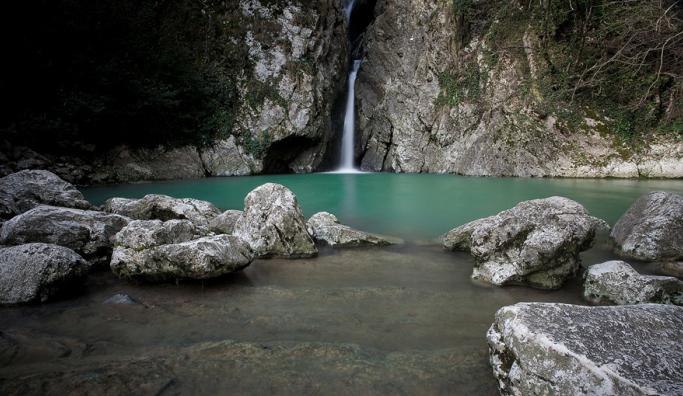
{"x":102,"y":72}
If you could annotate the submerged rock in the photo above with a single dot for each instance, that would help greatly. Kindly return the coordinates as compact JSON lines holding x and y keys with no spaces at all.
{"x":88,"y":232}
{"x":324,"y":227}
{"x":38,"y":271}
{"x":273,"y":224}
{"x":163,"y":207}
{"x":561,"y":349}
{"x":652,"y":228}
{"x":159,"y":251}
{"x":120,"y":299}
{"x":536,"y":243}
{"x":617,"y":282}
{"x":224,"y":223}
{"x":24,"y":190}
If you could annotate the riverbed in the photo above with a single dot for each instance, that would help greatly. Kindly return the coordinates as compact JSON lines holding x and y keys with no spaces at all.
{"x":400,"y":320}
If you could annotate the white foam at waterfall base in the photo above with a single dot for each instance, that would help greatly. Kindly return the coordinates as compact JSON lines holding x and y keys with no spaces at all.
{"x":347,"y":150}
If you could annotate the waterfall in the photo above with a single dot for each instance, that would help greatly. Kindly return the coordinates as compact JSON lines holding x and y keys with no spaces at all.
{"x":348,"y":7}
{"x":349,"y":121}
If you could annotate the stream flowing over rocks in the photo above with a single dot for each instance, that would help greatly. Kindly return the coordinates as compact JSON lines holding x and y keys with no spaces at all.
{"x":561,"y":349}
{"x":536,"y":243}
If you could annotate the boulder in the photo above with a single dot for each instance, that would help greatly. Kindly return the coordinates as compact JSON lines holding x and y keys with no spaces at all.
{"x":561,"y":349}
{"x":144,"y":234}
{"x":88,"y":232}
{"x":27,"y":189}
{"x":671,"y":268}
{"x":224,"y":223}
{"x":652,"y":228}
{"x":163,"y":207}
{"x":160,"y":251}
{"x":536,"y":243}
{"x":324,"y":227}
{"x":617,"y":282}
{"x":36,"y":272}
{"x":273,"y":224}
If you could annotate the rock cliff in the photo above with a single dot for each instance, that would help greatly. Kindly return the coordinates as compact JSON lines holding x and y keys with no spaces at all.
{"x":440,"y":93}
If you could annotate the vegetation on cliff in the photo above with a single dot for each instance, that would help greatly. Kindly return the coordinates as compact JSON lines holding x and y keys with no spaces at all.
{"x":619,"y":61}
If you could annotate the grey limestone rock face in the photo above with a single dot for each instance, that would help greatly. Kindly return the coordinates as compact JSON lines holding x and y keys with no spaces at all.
{"x":435,"y":94}
{"x":273,"y":224}
{"x":35,"y":272}
{"x":536,"y":243}
{"x":27,"y":189}
{"x":324,"y":227}
{"x":617,"y":282}
{"x":561,"y":349}
{"x":224,"y":223}
{"x":163,"y":207}
{"x":153,"y":250}
{"x":90,"y":233}
{"x":652,"y":228}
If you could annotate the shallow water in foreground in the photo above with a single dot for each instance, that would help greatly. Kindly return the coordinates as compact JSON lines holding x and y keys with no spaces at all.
{"x":401,"y":320}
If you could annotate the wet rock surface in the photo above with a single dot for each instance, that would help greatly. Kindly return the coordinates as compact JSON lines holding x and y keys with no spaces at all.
{"x":652,"y":228}
{"x":565,"y":349}
{"x":536,"y":243}
{"x":619,"y":283}
{"x":273,"y":224}
{"x":164,"y":207}
{"x":36,"y":272}
{"x":325,"y":228}
{"x":24,"y":190}
{"x":161,"y":251}
{"x":89,"y":233}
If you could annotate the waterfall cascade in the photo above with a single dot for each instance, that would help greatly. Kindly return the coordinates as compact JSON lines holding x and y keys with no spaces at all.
{"x":347,"y":149}
{"x":348,"y":139}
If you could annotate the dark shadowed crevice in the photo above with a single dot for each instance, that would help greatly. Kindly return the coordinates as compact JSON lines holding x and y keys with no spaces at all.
{"x":281,"y":153}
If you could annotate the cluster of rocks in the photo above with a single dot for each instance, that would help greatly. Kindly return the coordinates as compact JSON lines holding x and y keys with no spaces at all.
{"x":54,"y":236}
{"x":537,"y":349}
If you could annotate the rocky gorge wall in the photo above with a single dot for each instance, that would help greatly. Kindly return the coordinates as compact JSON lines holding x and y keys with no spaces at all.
{"x":436,"y":92}
{"x":294,"y":68}
{"x":435,"y":96}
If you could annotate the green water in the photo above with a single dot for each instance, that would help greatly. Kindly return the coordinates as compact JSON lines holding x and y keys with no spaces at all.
{"x":405,"y":319}
{"x":412,"y":206}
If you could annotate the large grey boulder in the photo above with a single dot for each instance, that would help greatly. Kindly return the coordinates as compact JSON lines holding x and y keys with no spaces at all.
{"x":536,"y":243}
{"x":652,"y":228}
{"x":27,"y":189}
{"x":88,"y":232}
{"x":163,"y":207}
{"x":325,"y":228}
{"x":561,"y":349}
{"x":224,"y":223}
{"x":37,"y":271}
{"x":153,"y":250}
{"x":617,"y":282}
{"x":273,"y":224}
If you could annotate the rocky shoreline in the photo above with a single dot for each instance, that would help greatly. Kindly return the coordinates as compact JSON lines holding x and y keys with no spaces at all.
{"x":52,"y":238}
